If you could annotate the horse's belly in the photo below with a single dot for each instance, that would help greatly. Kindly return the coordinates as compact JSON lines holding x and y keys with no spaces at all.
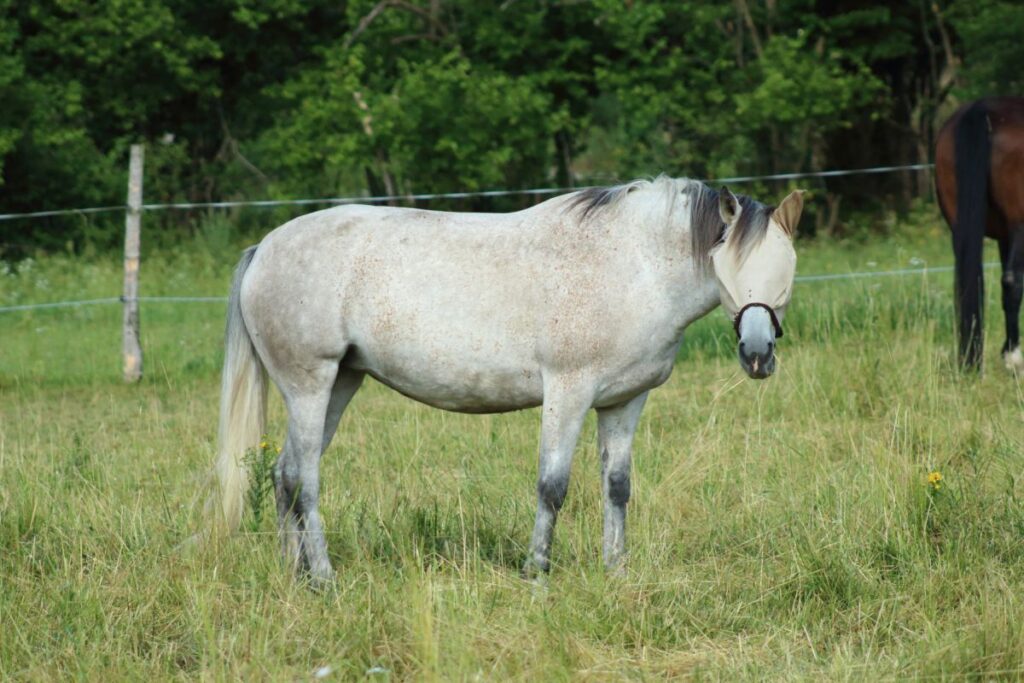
{"x":634,"y":379}
{"x":465,"y":387}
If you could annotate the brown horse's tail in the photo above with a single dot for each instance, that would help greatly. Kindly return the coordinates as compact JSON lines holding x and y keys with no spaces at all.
{"x":973,"y":149}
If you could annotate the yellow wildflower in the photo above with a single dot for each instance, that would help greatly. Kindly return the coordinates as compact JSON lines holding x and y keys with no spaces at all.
{"x":935,"y":480}
{"x":263,"y":444}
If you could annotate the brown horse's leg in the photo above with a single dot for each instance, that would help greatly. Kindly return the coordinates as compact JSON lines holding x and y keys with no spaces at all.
{"x":1011,"y":254}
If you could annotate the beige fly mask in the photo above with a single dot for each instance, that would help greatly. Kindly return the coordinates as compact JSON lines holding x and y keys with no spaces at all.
{"x":764,"y":275}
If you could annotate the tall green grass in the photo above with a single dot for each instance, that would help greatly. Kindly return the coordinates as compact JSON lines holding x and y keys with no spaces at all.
{"x":781,"y":529}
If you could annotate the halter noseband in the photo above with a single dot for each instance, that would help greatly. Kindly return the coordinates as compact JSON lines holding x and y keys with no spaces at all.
{"x":771,"y":313}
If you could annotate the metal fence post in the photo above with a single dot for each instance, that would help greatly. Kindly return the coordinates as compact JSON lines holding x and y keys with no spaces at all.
{"x":133,"y":218}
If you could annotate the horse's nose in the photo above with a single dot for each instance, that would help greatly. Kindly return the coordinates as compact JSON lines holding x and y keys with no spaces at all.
{"x":758,"y":360}
{"x":756,"y":329}
{"x":770,"y":345}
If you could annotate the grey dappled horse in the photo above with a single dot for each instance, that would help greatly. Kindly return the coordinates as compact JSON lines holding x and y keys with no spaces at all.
{"x":577,"y":303}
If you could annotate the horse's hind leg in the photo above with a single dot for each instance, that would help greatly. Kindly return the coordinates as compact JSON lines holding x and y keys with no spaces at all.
{"x":615,"y":429}
{"x":345,"y":387}
{"x":297,"y":474}
{"x":1011,"y":254}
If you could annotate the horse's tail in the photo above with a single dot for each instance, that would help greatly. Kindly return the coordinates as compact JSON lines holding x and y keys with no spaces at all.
{"x":243,"y":409}
{"x":973,"y":149}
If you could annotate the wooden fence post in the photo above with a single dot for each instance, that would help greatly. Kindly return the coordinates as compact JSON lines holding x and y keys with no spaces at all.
{"x":133,"y":218}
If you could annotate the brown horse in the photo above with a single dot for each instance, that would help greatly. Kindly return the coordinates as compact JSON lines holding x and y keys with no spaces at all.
{"x":979,"y":177}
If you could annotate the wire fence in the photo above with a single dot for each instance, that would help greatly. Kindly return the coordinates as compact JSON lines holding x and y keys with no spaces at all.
{"x":432,"y":196}
{"x":823,"y":277}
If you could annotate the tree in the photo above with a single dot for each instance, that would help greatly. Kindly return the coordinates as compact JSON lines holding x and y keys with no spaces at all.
{"x":239,"y":98}
{"x":990,"y":34}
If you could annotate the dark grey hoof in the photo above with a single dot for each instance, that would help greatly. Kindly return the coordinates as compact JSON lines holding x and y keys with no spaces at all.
{"x":616,"y":566}
{"x":321,"y":582}
{"x":534,"y":569}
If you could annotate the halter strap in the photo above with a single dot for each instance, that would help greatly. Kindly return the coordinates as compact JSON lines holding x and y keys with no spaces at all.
{"x":771,"y":313}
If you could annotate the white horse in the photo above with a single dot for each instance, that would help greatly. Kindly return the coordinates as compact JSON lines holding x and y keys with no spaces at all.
{"x":577,"y":303}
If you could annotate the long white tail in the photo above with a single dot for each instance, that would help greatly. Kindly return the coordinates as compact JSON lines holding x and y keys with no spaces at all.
{"x":243,"y":411}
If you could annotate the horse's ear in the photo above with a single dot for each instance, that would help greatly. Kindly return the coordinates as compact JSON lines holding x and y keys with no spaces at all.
{"x":787,"y":214}
{"x":728,"y":206}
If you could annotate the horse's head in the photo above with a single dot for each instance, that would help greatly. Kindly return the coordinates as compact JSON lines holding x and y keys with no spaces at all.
{"x":755,"y":266}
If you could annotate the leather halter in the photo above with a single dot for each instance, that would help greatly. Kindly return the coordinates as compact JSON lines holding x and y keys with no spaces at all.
{"x":771,"y":313}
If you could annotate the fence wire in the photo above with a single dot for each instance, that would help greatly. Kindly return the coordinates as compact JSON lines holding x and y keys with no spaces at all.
{"x":825,"y":277}
{"x":380,"y":199}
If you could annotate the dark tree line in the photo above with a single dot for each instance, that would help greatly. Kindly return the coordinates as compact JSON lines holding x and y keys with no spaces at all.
{"x":247,"y":99}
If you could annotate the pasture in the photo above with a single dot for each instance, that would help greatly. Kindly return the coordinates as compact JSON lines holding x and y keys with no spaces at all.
{"x":777,"y":529}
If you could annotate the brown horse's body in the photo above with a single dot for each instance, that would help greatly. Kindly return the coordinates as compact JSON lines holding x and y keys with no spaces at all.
{"x":979,"y":176}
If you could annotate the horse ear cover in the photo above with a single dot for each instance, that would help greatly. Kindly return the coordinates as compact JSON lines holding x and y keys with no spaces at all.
{"x":787,"y":214}
{"x":728,"y":206}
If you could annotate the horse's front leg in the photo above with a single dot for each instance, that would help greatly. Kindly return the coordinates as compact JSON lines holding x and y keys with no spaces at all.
{"x":615,"y":429}
{"x":565,"y":406}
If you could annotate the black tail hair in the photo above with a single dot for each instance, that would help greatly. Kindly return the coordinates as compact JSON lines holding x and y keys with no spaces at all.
{"x":973,"y":151}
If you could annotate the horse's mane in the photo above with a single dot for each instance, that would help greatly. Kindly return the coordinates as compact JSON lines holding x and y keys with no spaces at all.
{"x":706,"y":227}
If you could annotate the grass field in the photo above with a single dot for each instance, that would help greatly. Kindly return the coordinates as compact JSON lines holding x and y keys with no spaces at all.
{"x":784,"y":529}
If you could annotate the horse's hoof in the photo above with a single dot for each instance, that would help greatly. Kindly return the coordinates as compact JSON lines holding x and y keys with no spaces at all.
{"x":539,"y":587}
{"x":616,"y":569}
{"x":535,"y":570}
{"x":191,"y":545}
{"x":321,"y":581}
{"x":537,"y":577}
{"x":1014,"y":361}
{"x":321,"y":584}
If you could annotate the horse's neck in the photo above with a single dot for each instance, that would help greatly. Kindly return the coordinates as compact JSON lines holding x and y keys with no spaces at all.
{"x":641,"y":238}
{"x":697,"y":294}
{"x":696,"y":287}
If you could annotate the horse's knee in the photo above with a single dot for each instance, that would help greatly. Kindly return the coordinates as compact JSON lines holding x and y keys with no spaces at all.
{"x":552,"y":489}
{"x":619,"y":486}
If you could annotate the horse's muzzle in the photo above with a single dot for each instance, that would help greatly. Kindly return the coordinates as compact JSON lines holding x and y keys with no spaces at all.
{"x":758,"y":363}
{"x":757,"y":327}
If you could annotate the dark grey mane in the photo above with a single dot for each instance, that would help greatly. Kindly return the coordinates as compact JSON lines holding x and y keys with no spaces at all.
{"x":590,"y":199}
{"x":706,"y":227}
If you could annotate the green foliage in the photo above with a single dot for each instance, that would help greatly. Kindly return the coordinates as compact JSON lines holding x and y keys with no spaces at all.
{"x":993,"y":50}
{"x":802,"y":86}
{"x":451,"y":126}
{"x":11,"y":71}
{"x":259,"y":464}
{"x":809,"y":92}
{"x":663,"y":90}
